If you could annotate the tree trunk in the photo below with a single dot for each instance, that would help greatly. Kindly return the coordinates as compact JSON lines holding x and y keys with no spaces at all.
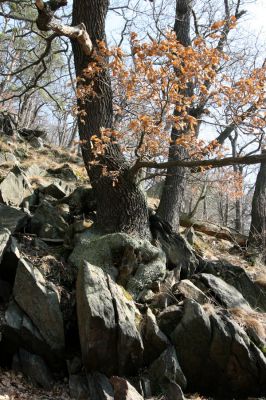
{"x":121,"y":205}
{"x":174,"y":185}
{"x":257,"y":234}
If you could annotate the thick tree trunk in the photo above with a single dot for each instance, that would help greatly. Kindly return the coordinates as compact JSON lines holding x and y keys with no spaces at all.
{"x":121,"y":205}
{"x":257,"y":235}
{"x":174,"y":185}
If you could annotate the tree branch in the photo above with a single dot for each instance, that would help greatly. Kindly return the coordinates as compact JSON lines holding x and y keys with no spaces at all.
{"x":197,"y":164}
{"x":46,"y":22}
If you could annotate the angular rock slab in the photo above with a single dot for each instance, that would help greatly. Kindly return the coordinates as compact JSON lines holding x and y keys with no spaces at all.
{"x":216,"y":355}
{"x":11,"y":218}
{"x":226,"y":294}
{"x":237,"y":277}
{"x":15,"y":188}
{"x":123,"y":390}
{"x":99,"y":387}
{"x":47,"y":223}
{"x":155,"y":341}
{"x":190,"y":291}
{"x":40,"y":300}
{"x":110,"y":341}
{"x":166,"y":369}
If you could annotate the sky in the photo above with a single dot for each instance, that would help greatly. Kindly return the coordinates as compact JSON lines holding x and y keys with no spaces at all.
{"x":257,"y":16}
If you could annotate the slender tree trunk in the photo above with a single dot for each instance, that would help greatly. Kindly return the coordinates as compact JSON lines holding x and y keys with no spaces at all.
{"x":121,"y":205}
{"x":257,"y":234}
{"x":174,"y":185}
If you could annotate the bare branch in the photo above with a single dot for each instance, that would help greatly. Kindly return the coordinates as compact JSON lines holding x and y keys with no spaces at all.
{"x":46,"y":22}
{"x":211,"y":163}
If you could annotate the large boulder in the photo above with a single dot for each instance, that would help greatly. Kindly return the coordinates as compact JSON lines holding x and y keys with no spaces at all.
{"x":155,"y":341}
{"x":227,"y":295}
{"x":113,"y":251}
{"x":12,"y":218}
{"x":40,"y":300}
{"x":20,"y":332}
{"x":15,"y":188}
{"x":99,"y":387}
{"x":166,"y":369}
{"x":123,"y":390}
{"x":238,"y":277}
{"x":108,"y":324}
{"x":47,"y":223}
{"x":34,"y":367}
{"x":216,"y":354}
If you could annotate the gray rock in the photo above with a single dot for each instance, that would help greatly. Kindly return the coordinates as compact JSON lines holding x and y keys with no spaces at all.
{"x":166,"y":368}
{"x":11,"y":257}
{"x":123,"y":390}
{"x":154,"y":340}
{"x":169,"y":318}
{"x":47,"y":223}
{"x":40,"y":300}
{"x":5,"y":291}
{"x":55,"y":190}
{"x":4,"y":241}
{"x":8,"y":158}
{"x":6,"y":124}
{"x":129,"y":342}
{"x":34,"y":170}
{"x":226,"y":294}
{"x":81,"y":201}
{"x":216,"y":355}
{"x":190,"y":291}
{"x":102,"y":250}
{"x":12,"y":219}
{"x":100,"y":387}
{"x":35,"y":368}
{"x":238,"y":277}
{"x":173,"y":391}
{"x":110,"y":341}
{"x":29,"y":133}
{"x":36,"y":143}
{"x":19,"y":331}
{"x":78,"y":387}
{"x":15,"y":188}
{"x":65,"y":173}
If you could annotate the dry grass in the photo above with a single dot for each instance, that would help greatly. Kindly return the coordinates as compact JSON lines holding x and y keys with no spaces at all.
{"x":261,"y":280}
{"x":251,"y":320}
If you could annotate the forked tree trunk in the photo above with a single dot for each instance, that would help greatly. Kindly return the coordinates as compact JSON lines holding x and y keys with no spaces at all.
{"x":257,"y":234}
{"x":121,"y":205}
{"x":174,"y":185}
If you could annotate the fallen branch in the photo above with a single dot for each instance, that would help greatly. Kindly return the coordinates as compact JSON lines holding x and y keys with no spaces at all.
{"x":213,"y":230}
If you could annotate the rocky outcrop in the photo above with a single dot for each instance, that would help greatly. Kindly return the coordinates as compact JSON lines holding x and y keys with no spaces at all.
{"x":12,"y":219}
{"x":112,"y":253}
{"x":15,"y":188}
{"x":238,"y":277}
{"x":216,"y":355}
{"x":40,"y":300}
{"x":110,"y":341}
{"x":47,"y":223}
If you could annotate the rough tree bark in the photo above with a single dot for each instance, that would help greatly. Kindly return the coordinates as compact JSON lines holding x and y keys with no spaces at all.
{"x":121,"y":205}
{"x":257,"y":234}
{"x":174,"y":185}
